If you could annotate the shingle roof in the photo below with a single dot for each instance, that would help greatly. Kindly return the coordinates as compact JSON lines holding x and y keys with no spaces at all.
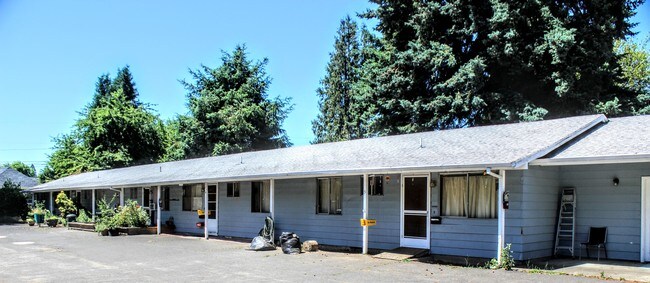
{"x":9,"y":174}
{"x":499,"y":146}
{"x":620,"y":138}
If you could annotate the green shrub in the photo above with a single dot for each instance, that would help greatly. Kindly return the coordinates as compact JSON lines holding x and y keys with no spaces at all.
{"x":12,"y":200}
{"x":83,"y":217}
{"x":65,"y":204}
{"x":107,"y":215}
{"x":132,"y":215}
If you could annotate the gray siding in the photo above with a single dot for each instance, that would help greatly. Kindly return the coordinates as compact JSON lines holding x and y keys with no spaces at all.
{"x":471,"y":237}
{"x":185,"y":221}
{"x":235,"y":216}
{"x":539,"y":207}
{"x":600,"y":203}
{"x":295,"y":204}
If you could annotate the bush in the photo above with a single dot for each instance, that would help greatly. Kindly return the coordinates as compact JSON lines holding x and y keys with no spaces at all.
{"x":132,"y":215}
{"x":83,"y":217}
{"x":106,"y":219}
{"x":65,"y":204}
{"x":12,"y":200}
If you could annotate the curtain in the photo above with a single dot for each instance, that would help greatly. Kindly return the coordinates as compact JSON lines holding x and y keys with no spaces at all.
{"x":482,"y":197}
{"x":323,"y":195}
{"x":454,"y":192}
{"x":335,"y":207}
{"x":266,"y":196}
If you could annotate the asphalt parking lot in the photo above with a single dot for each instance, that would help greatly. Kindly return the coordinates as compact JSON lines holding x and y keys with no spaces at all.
{"x":32,"y":254}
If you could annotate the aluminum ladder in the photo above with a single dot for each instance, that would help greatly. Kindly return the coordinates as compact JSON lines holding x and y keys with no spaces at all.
{"x":566,"y":223}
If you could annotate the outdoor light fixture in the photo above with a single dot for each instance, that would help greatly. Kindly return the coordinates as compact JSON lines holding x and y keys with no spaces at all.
{"x":615,"y":181}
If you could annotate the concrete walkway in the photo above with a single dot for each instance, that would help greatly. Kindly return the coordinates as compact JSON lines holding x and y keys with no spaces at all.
{"x":605,"y":269}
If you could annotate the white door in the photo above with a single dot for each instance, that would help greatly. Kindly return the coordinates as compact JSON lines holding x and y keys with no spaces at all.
{"x":415,"y":211}
{"x":212,"y":209}
{"x":645,"y":219}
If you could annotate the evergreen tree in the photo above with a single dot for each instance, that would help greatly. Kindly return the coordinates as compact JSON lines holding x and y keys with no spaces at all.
{"x":21,"y":167}
{"x":115,"y":130}
{"x":458,"y":63}
{"x":230,"y":109}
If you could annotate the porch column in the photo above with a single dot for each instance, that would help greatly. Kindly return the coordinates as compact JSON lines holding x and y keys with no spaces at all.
{"x":501,"y":214}
{"x":216,"y":206}
{"x":51,"y":202}
{"x":122,"y":197}
{"x":93,"y":201}
{"x":365,"y":214}
{"x":157,"y":210}
{"x":272,"y":198}
{"x":142,"y":197}
{"x":206,"y":216}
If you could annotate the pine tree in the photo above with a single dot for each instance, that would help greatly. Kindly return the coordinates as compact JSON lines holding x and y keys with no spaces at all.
{"x":230,"y":109}
{"x":345,"y":98}
{"x":114,"y":130}
{"x":458,"y":63}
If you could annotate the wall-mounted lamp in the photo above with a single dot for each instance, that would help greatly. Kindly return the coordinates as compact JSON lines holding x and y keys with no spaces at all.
{"x":615,"y":181}
{"x":434,"y":183}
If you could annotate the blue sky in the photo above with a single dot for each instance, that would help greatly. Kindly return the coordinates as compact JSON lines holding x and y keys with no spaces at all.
{"x":51,"y":53}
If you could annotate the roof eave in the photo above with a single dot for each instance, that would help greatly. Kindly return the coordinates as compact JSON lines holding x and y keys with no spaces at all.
{"x":293,"y":175}
{"x":613,"y":159}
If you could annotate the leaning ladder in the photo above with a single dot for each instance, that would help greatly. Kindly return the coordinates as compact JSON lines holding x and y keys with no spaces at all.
{"x":566,"y":223}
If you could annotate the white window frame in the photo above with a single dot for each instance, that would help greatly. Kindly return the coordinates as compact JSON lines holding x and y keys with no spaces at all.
{"x":340,"y":199}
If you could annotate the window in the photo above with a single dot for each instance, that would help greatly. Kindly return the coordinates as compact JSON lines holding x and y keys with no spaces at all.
{"x":232,"y":190}
{"x":260,"y":197}
{"x":473,"y":196}
{"x":165,"y":198}
{"x":192,"y":199}
{"x":133,"y":193}
{"x":329,"y":196}
{"x":375,"y":185}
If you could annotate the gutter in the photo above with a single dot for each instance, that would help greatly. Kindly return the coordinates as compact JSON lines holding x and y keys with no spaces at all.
{"x":613,"y":159}
{"x":278,"y":176}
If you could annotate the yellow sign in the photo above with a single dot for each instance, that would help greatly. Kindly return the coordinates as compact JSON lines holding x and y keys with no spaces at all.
{"x":368,"y":222}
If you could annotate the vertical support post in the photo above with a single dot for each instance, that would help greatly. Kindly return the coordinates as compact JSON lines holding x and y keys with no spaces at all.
{"x":365,"y":214}
{"x":501,"y":215}
{"x":272,"y":198}
{"x":52,"y":202}
{"x":216,"y":207}
{"x":158,"y":213}
{"x":206,"y":215}
{"x":122,"y":197}
{"x":142,"y":198}
{"x":93,"y":201}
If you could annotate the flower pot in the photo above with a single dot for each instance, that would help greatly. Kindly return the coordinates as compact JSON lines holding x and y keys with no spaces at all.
{"x":39,"y":218}
{"x":30,"y":223}
{"x":113,"y":232}
{"x":52,"y":222}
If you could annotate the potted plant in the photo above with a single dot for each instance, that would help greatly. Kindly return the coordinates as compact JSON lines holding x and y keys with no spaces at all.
{"x":52,"y":221}
{"x":30,"y":222}
{"x":39,"y":212}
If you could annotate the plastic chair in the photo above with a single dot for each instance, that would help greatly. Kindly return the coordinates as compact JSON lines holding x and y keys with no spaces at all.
{"x":598,"y":239}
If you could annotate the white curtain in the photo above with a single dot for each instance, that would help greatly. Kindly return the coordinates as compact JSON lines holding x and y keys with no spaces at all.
{"x":454,"y":192}
{"x":482,"y":197}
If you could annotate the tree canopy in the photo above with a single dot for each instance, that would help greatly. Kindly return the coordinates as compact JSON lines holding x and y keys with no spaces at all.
{"x":230,"y":110}
{"x":457,"y":63}
{"x":347,"y":110}
{"x":114,"y":130}
{"x":21,"y":167}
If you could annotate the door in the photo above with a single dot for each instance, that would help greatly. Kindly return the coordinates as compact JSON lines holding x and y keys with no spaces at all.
{"x":415,"y":211}
{"x":212,"y":210}
{"x":645,"y":219}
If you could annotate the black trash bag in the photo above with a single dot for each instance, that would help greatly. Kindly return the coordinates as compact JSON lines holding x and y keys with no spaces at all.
{"x":264,"y":241}
{"x":290,"y":243}
{"x":261,"y":244}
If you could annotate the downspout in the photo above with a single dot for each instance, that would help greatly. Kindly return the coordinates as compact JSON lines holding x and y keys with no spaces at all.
{"x":501,"y":212}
